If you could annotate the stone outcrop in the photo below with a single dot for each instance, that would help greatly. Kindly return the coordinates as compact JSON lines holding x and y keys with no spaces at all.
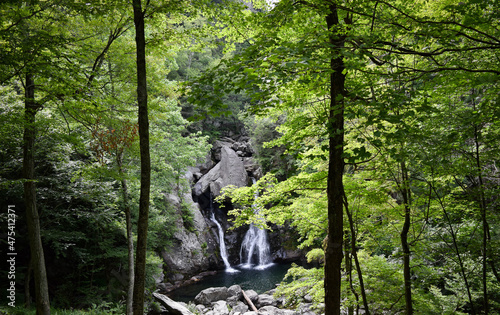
{"x":229,"y":171}
{"x":188,"y":253}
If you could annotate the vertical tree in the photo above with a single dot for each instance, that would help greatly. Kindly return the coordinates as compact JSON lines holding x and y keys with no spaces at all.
{"x":335,"y":185}
{"x":142,"y":101}
{"x":32,"y":217}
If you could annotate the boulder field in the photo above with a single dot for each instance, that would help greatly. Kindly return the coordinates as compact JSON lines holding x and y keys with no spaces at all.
{"x":233,"y":301}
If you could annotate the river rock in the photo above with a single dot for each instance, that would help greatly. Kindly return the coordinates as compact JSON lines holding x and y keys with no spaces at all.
{"x":239,"y":308}
{"x":200,"y":308}
{"x":220,"y":307}
{"x":252,"y":295}
{"x":235,"y":290}
{"x":171,"y":306}
{"x":210,"y":295}
{"x":265,"y":300}
{"x":305,"y":308}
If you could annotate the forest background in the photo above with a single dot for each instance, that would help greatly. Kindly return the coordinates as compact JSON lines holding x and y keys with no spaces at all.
{"x":376,"y":125}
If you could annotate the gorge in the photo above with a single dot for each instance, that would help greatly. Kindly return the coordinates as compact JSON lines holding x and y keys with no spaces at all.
{"x":213,"y":244}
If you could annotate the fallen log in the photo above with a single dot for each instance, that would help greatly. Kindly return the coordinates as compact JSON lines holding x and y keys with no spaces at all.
{"x":249,"y":302}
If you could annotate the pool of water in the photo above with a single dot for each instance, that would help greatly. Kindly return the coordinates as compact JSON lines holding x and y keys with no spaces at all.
{"x":259,"y":280}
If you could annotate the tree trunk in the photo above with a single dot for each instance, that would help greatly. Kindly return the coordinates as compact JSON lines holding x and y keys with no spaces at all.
{"x":484,"y":220}
{"x":348,"y":271}
{"x":335,"y":188}
{"x":354,"y":253}
{"x":27,"y":280}
{"x":130,"y":238}
{"x":142,"y":100}
{"x":405,"y":191}
{"x":32,"y":218}
{"x":455,"y":247}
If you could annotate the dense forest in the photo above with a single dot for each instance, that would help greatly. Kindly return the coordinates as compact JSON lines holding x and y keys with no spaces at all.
{"x":374,"y":126}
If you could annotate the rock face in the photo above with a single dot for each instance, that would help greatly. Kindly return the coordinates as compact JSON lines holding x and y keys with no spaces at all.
{"x":196,"y":247}
{"x":188,"y":253}
{"x":229,"y":171}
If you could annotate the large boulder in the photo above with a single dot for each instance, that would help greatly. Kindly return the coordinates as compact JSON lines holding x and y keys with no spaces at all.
{"x":252,"y":295}
{"x":229,"y":171}
{"x":235,"y":291}
{"x":171,"y":306}
{"x":210,"y":295}
{"x":265,"y":300}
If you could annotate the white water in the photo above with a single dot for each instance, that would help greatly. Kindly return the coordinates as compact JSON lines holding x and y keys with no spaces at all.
{"x":222,"y":243}
{"x":255,"y":250}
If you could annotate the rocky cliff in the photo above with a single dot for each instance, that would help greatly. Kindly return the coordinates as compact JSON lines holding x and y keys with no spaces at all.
{"x":196,"y":250}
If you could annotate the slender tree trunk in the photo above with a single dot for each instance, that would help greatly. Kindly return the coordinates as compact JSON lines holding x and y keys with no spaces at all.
{"x":457,"y":252}
{"x":142,"y":100}
{"x":354,"y":253}
{"x":348,"y":271}
{"x":130,"y":238}
{"x":335,"y":188}
{"x":486,"y":229}
{"x":405,"y":190}
{"x":32,"y":218}
{"x":494,"y":269}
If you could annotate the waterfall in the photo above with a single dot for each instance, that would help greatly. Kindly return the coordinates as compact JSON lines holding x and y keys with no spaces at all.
{"x":222,"y":243}
{"x":255,"y":248}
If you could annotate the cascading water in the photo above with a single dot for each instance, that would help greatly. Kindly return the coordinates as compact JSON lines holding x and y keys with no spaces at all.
{"x":255,"y":248}
{"x":222,"y":243}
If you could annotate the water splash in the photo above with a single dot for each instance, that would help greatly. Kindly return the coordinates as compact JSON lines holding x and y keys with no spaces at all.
{"x":255,"y":251}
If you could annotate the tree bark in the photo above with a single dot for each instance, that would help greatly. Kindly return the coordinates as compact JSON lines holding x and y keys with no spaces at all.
{"x":32,"y":217}
{"x":405,"y":191}
{"x":142,"y":100}
{"x":335,"y":188}
{"x":484,"y":219}
{"x":130,"y":238}
{"x":354,"y":253}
